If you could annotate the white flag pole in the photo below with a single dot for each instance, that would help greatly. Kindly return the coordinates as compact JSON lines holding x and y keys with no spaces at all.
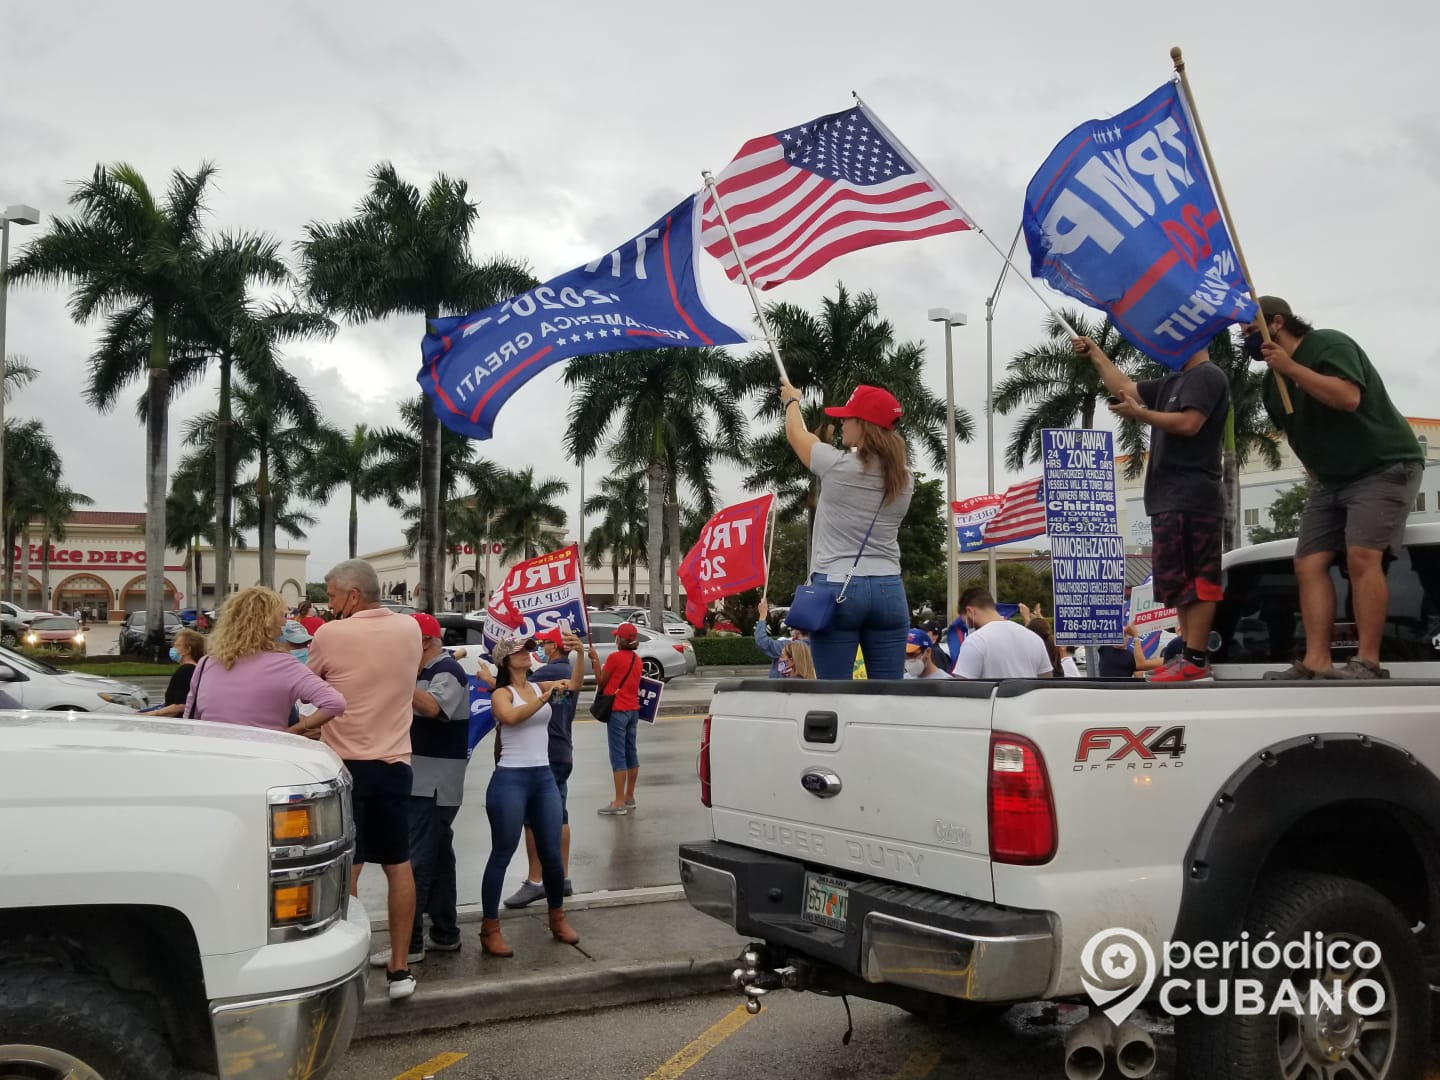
{"x":914,"y":163}
{"x":745,"y":273}
{"x":772,"y":521}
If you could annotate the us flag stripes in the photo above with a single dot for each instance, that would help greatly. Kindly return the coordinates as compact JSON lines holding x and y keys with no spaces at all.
{"x":1021,"y":516}
{"x":803,"y":196}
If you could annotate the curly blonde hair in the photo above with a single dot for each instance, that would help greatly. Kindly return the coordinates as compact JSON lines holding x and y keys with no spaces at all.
{"x":246,"y":625}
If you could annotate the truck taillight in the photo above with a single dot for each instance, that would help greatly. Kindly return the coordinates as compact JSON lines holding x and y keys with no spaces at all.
{"x":705,"y":763}
{"x":1022,"y":811}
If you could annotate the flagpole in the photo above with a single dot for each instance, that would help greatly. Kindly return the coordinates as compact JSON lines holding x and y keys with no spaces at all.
{"x":745,"y":273}
{"x":580,"y":532}
{"x":772,"y":522}
{"x":1178,"y":59}
{"x":914,"y":163}
{"x":990,"y":303}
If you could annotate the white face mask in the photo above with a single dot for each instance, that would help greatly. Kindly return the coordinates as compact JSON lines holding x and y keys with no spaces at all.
{"x":914,"y":667}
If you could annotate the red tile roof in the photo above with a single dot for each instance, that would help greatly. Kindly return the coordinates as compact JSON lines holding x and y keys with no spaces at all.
{"x":106,"y":517}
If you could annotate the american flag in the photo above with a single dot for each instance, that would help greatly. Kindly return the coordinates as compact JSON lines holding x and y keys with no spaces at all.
{"x":803,"y":196}
{"x":1021,"y":516}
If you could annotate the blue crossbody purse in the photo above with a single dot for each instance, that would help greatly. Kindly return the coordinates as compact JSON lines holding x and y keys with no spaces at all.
{"x":813,"y":609}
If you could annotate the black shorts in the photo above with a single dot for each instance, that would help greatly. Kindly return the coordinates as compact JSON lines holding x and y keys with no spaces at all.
{"x":382,"y":811}
{"x":1185,"y":557}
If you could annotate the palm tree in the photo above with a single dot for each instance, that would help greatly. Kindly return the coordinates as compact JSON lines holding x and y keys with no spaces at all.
{"x":398,"y":470}
{"x":274,"y":427}
{"x":19,"y":373}
{"x":57,"y":506}
{"x":1060,"y":387}
{"x":189,"y":514}
{"x":670,"y":409}
{"x":243,"y":335}
{"x":404,"y":253}
{"x":31,"y":468}
{"x":134,"y":259}
{"x":471,"y":521}
{"x":527,"y":511}
{"x":828,"y":354}
{"x":622,"y":533}
{"x":348,"y":460}
{"x":1248,"y":430}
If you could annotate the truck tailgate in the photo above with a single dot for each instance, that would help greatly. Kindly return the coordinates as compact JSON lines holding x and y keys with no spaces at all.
{"x":874,"y":779}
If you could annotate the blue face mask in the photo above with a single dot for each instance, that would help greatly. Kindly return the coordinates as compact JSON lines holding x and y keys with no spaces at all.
{"x":303,"y":655}
{"x":174,"y":655}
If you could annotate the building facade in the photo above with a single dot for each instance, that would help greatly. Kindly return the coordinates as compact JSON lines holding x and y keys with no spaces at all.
{"x":1260,"y":486}
{"x":99,"y":568}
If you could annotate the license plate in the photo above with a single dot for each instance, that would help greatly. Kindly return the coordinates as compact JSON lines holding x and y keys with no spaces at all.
{"x":826,"y":899}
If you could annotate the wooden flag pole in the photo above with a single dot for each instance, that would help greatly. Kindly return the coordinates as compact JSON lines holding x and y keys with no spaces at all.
{"x":772,"y":519}
{"x":745,"y":274}
{"x":1179,"y":61}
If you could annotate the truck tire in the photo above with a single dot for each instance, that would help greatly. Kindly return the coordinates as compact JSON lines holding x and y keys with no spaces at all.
{"x":1393,"y":1043}
{"x":56,"y":1024}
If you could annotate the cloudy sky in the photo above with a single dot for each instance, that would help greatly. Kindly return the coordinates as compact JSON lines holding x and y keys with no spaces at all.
{"x":577,"y":124}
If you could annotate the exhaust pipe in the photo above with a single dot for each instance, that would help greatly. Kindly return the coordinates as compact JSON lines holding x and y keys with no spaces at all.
{"x":1086,"y":1046}
{"x":1134,"y":1051}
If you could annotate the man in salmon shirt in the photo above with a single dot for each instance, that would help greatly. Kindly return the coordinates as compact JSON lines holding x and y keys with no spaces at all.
{"x":370,"y":655}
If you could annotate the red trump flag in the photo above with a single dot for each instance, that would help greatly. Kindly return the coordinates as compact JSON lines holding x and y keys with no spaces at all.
{"x":728,"y":558}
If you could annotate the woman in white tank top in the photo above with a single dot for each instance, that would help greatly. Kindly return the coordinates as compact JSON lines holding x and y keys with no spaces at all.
{"x":522,"y":788}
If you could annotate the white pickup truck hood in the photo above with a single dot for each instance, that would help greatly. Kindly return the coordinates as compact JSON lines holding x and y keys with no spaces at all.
{"x":71,"y":736}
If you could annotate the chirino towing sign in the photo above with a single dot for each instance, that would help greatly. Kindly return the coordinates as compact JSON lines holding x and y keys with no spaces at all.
{"x":1087,"y":552}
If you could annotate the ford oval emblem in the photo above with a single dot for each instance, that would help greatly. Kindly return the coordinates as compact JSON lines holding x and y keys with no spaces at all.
{"x":821,"y":783}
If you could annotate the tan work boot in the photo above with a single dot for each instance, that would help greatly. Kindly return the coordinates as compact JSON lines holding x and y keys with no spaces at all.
{"x":561,"y":928}
{"x":492,"y":942}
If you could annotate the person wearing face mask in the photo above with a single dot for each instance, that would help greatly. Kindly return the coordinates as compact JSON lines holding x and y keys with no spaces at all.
{"x":995,"y":647}
{"x":920,"y":657}
{"x":189,"y":647}
{"x":795,"y":661}
{"x":297,"y":639}
{"x":1366,"y":466}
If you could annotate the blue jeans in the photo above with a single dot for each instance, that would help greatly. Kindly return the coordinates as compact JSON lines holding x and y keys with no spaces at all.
{"x":432,"y":858}
{"x":623,"y":728}
{"x":514,"y":798}
{"x":874,"y":618}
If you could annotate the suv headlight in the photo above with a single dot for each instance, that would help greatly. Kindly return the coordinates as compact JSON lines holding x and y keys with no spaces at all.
{"x":312,"y":845}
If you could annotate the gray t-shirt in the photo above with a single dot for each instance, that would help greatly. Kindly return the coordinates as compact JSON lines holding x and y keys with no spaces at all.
{"x":1183,"y":473}
{"x":849,"y":497}
{"x":440,"y":743}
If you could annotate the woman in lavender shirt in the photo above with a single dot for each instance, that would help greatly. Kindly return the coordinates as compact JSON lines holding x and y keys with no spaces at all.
{"x":248,"y":678}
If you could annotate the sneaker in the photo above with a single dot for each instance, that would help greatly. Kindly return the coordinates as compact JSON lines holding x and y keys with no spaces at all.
{"x":1298,"y":671}
{"x":629,"y":804}
{"x":569,"y":889}
{"x":527,"y":894}
{"x":1181,"y":670}
{"x":1363,"y":669}
{"x":382,"y":958}
{"x":443,"y":946}
{"x":399,"y":984}
{"x":612,"y":811}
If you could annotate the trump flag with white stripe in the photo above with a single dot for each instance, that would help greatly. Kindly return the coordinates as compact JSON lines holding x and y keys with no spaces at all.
{"x":808,"y":194}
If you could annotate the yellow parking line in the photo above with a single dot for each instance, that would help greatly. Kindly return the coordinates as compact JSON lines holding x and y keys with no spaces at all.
{"x":691,"y":1055}
{"x":431,"y":1067}
{"x":920,"y":1064}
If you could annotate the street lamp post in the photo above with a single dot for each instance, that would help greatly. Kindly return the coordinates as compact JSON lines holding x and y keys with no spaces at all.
{"x":19,"y":215}
{"x":951,"y":319}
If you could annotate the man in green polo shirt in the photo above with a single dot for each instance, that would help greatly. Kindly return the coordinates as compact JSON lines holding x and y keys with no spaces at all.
{"x":1365,"y":467}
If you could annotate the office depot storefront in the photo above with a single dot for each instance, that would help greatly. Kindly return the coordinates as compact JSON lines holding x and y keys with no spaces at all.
{"x":99,"y":568}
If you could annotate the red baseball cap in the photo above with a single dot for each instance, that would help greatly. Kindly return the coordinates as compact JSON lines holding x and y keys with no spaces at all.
{"x":627,"y":632}
{"x":429,"y":625}
{"x":311,"y":622}
{"x":872,"y":404}
{"x":553,"y":636}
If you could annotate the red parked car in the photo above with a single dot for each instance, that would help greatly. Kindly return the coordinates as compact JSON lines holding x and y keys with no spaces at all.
{"x":59,"y":632}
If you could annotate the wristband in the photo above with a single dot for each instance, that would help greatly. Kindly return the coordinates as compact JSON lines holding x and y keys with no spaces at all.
{"x":792,"y":401}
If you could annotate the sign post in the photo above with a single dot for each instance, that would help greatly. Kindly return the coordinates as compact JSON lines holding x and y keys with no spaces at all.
{"x":1087,"y":552}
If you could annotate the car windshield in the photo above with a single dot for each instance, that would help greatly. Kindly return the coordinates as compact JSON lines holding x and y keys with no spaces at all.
{"x":56,"y":623}
{"x":25,"y":663}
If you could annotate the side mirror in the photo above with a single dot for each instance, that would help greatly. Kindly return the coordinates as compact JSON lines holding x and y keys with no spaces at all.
{"x":7,"y":673}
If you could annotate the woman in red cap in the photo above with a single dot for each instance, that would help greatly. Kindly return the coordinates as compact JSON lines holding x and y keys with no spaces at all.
{"x":865,"y":490}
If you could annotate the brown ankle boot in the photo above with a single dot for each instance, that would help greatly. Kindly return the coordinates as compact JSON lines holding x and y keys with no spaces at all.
{"x":492,"y":942}
{"x":561,"y":928}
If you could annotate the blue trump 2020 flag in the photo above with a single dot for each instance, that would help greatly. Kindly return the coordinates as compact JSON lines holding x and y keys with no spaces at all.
{"x":1123,"y":217}
{"x":642,"y":295}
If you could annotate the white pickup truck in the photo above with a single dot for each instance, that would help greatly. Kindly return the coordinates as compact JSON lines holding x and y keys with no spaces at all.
{"x":174,"y":901}
{"x":970,"y":844}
